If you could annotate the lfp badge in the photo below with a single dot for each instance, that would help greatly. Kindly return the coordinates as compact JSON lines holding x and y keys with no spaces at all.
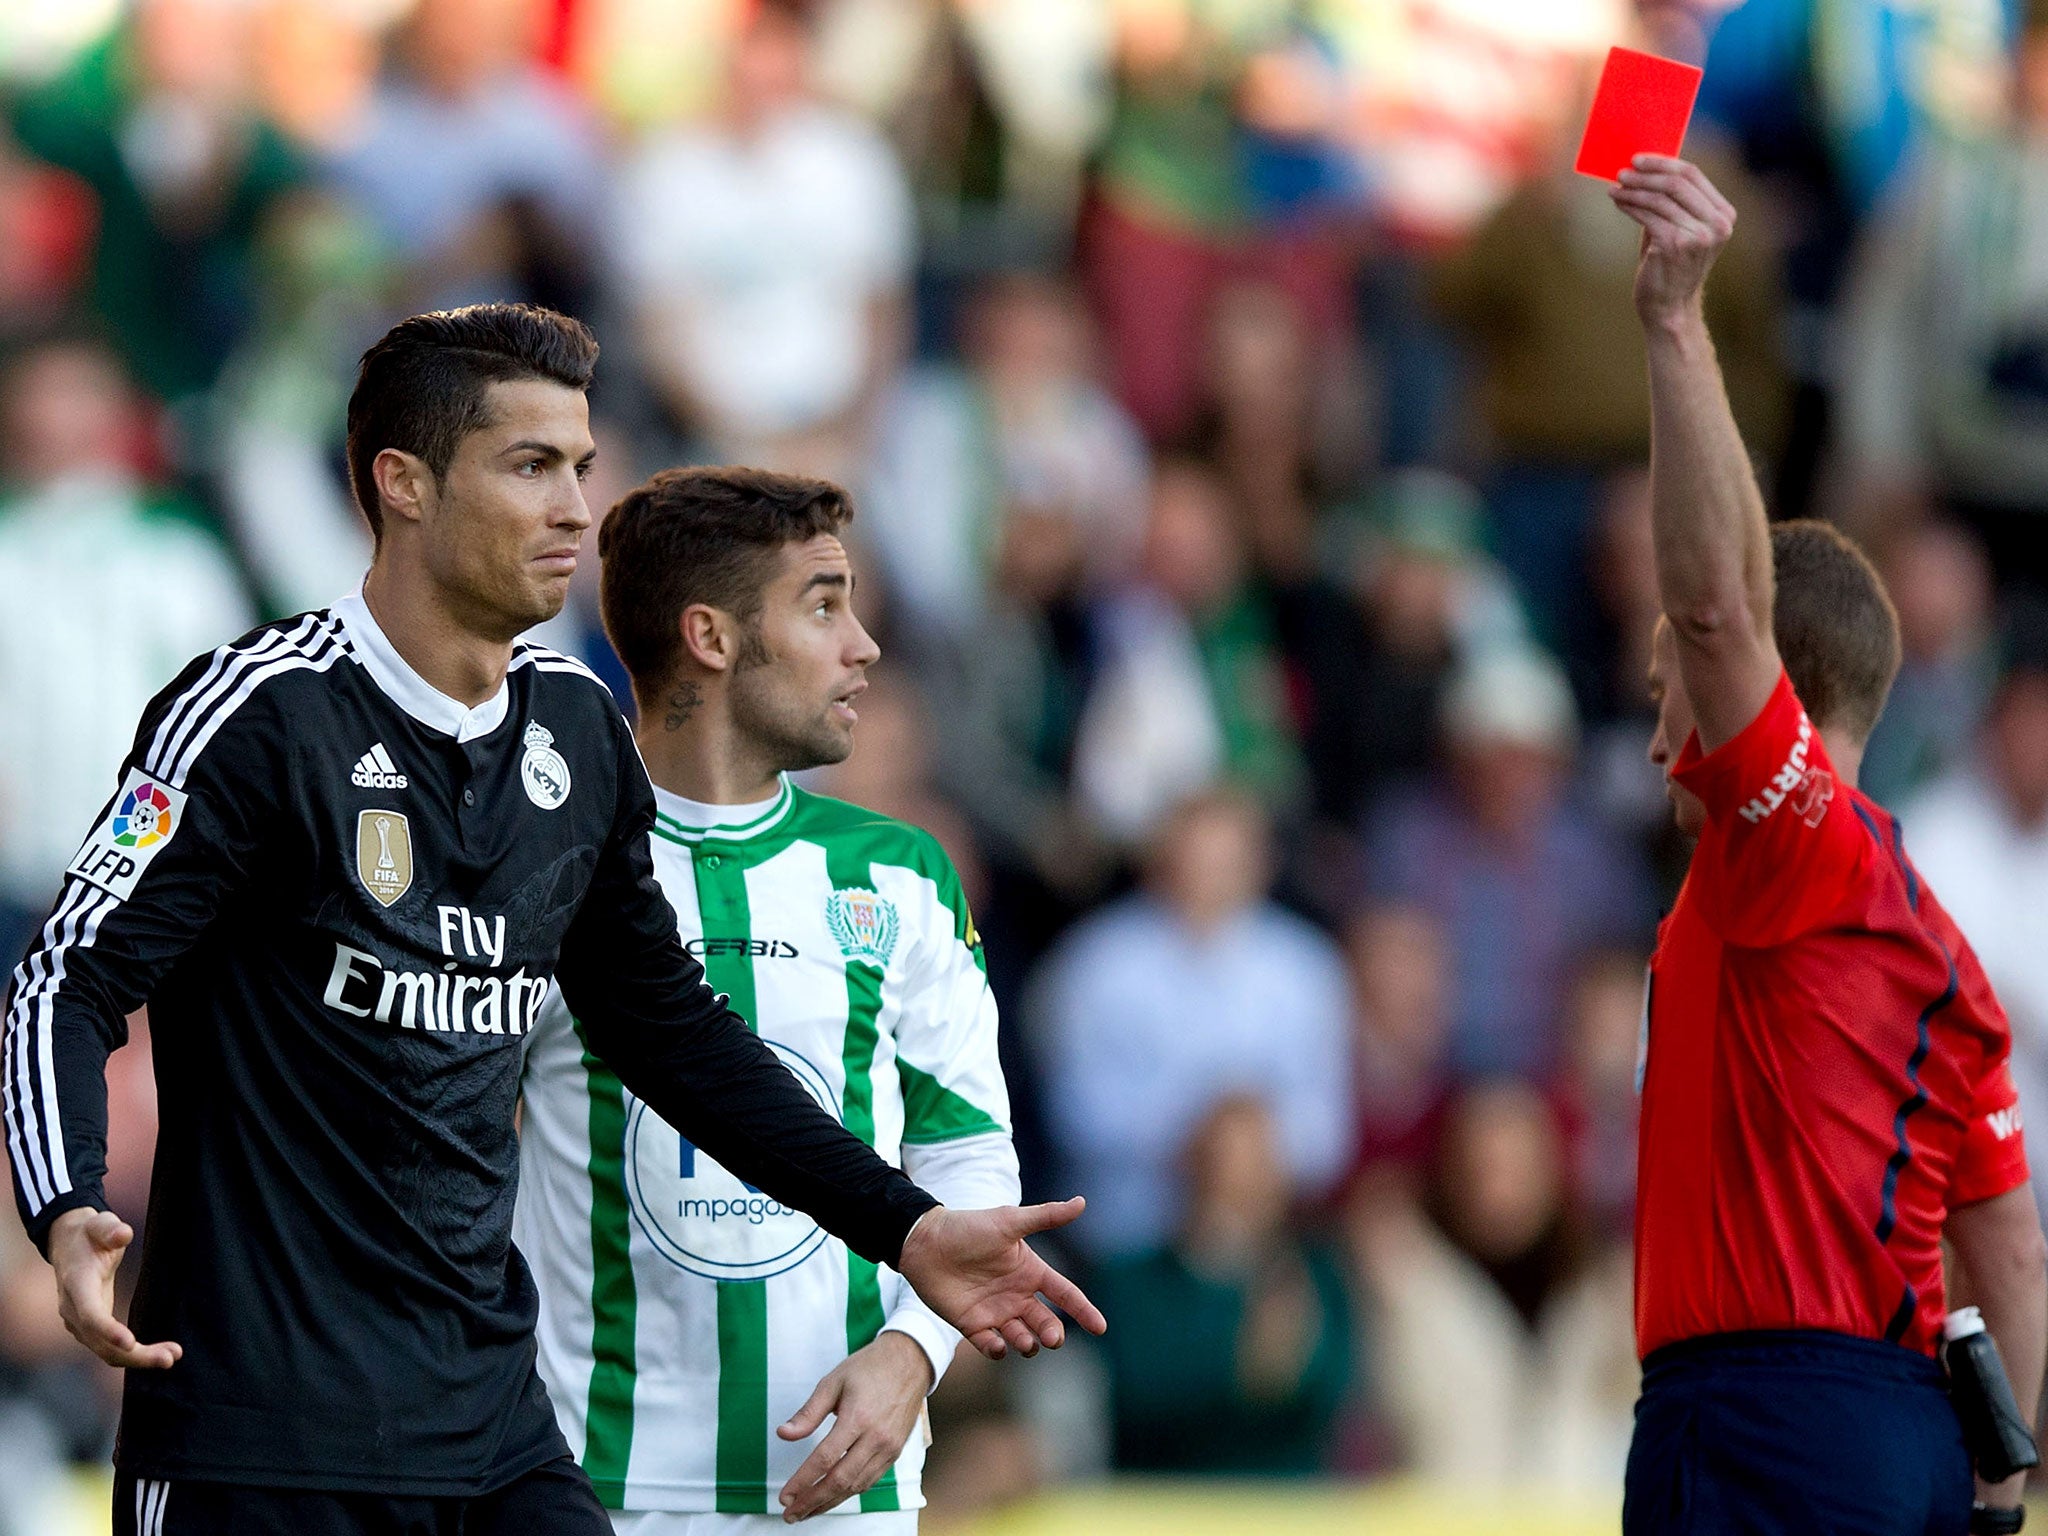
{"x":144,"y":819}
{"x":146,"y":815}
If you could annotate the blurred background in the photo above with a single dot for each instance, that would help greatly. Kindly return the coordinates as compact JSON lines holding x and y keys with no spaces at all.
{"x":1248,"y":424}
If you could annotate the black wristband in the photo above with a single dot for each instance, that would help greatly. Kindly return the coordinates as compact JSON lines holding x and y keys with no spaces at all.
{"x":1986,"y":1521}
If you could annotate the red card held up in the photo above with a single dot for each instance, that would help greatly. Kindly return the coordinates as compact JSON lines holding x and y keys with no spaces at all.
{"x":1641,"y":107}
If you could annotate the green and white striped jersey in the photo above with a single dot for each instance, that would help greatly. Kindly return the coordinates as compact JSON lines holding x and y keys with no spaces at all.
{"x":683,"y":1314}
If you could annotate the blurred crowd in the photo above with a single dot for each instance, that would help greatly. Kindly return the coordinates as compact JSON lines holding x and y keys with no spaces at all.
{"x":1247,"y":422}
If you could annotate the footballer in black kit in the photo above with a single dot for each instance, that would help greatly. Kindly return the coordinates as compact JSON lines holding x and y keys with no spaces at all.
{"x":348,"y":899}
{"x":344,"y":894}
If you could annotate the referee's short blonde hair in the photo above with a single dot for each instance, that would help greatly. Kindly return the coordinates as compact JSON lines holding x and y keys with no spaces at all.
{"x":1835,"y":625}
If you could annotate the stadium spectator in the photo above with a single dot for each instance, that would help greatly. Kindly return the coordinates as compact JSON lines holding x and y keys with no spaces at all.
{"x":111,"y":581}
{"x":1197,"y":987}
{"x":480,"y":174}
{"x":1011,"y":692}
{"x":1608,"y":643}
{"x":1596,"y":1086}
{"x":1608,"y":655}
{"x":1234,"y":1350}
{"x":1192,"y":683}
{"x":1174,"y":218}
{"x":1945,"y":359}
{"x":1279,"y":429}
{"x":764,"y":256}
{"x":158,"y":121}
{"x":996,"y":106}
{"x":1980,"y":837}
{"x":1940,"y":581}
{"x":1400,"y":987}
{"x":1268,"y":430}
{"x":1429,"y":599}
{"x":46,"y":238}
{"x":1491,"y":853}
{"x":1500,"y":1346}
{"x":1020,"y":422}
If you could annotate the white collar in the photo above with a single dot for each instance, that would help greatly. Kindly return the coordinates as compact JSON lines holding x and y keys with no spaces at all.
{"x":695,"y":819}
{"x":407,"y":689}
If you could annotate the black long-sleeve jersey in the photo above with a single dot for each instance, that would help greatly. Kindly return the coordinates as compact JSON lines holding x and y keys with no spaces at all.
{"x":345,"y":898}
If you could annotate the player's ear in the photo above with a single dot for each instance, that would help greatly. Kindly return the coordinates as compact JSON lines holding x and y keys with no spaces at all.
{"x":710,"y":636}
{"x":404,"y":484}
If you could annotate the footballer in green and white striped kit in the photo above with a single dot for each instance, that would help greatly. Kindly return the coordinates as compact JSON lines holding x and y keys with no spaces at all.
{"x":685,"y":1316}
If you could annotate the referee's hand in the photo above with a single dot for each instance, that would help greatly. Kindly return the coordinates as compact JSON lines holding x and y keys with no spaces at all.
{"x":85,"y":1250}
{"x":1686,"y":221}
{"x":976,"y":1271}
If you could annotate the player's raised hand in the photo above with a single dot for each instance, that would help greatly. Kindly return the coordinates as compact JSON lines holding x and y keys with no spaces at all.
{"x":1685,"y":223}
{"x":975,"y":1270}
{"x":85,"y":1251}
{"x":873,"y":1397}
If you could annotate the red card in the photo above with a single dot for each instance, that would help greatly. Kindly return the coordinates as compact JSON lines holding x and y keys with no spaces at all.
{"x":1641,"y":108}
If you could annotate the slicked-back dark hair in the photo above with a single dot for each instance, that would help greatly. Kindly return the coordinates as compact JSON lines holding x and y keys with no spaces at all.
{"x":700,"y":536}
{"x":1836,"y":628}
{"x":423,"y":388}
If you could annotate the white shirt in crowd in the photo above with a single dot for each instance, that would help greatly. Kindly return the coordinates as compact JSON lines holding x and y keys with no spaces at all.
{"x":752,"y":263}
{"x":105,"y":602}
{"x":1146,"y":1024}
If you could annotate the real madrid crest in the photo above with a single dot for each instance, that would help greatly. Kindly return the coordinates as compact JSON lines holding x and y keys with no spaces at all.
{"x":384,"y":855}
{"x":863,"y":924}
{"x":544,"y":771}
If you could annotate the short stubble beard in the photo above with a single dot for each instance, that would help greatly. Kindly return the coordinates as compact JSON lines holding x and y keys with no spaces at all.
{"x":779,"y":728}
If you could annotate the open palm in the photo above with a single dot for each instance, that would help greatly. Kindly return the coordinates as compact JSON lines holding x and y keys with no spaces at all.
{"x":975,"y":1270}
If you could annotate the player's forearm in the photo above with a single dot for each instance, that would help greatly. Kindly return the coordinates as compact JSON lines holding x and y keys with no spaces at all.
{"x":2004,"y":1273}
{"x":1712,"y":542}
{"x":719,"y":1084}
{"x":56,"y":1061}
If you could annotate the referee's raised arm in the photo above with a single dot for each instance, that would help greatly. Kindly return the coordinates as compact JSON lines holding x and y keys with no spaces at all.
{"x":1713,"y":547}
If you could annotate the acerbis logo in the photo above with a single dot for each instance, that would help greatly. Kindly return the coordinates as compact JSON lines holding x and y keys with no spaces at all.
{"x":755,"y":949}
{"x":375,"y":770}
{"x":702,"y":1218}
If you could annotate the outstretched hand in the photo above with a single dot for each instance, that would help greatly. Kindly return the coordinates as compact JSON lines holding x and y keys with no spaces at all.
{"x":85,"y":1251}
{"x":1685,"y":223}
{"x":976,"y":1271}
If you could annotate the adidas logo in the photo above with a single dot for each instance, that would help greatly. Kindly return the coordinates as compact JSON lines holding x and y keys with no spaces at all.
{"x":375,"y":770}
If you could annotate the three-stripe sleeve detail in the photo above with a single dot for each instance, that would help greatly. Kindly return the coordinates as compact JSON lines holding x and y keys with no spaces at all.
{"x":152,"y":1500}
{"x":28,"y":1071}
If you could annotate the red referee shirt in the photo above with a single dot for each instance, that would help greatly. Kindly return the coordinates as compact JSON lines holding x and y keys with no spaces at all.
{"x":1826,"y":1072}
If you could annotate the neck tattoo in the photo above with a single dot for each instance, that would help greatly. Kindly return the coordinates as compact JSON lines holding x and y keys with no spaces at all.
{"x":682,"y":704}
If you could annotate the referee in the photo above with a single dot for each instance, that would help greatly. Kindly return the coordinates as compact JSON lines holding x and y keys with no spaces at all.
{"x":1826,"y":1094}
{"x":350,"y":859}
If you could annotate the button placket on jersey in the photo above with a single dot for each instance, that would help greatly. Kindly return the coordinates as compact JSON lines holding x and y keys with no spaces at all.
{"x":466,"y":775}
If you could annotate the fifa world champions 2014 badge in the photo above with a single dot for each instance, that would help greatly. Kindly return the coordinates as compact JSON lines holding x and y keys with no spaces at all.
{"x":544,"y":771}
{"x":384,"y":854}
{"x":864,"y":925}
